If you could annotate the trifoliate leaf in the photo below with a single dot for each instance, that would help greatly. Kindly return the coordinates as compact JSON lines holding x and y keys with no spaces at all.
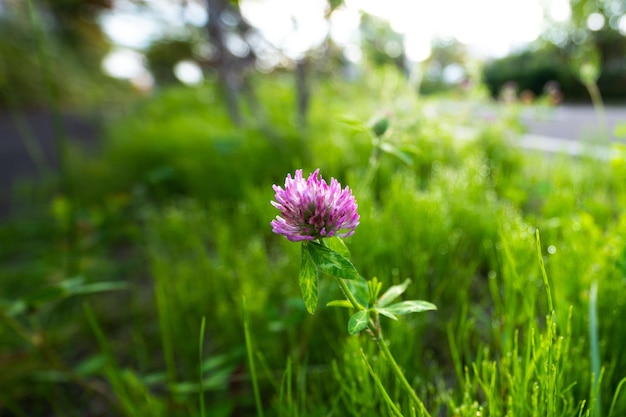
{"x":331,"y":262}
{"x":392,"y":293}
{"x":339,"y":303}
{"x":358,"y":322}
{"x":336,"y":244}
{"x":392,"y":150}
{"x":410,"y":306}
{"x":355,"y":125}
{"x":360,"y":289}
{"x":387,"y":313}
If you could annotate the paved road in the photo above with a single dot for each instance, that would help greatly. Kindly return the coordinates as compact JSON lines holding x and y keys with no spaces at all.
{"x":572,"y":122}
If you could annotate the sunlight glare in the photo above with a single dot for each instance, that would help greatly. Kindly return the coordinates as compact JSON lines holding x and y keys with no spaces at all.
{"x":353,"y":53}
{"x":196,"y":14}
{"x":128,"y":30}
{"x":417,"y":48}
{"x":132,"y":25}
{"x":488,"y":27}
{"x":123,"y":63}
{"x":622,"y":25}
{"x":236,"y":45}
{"x":344,"y":25}
{"x":453,"y":73}
{"x":595,"y":21}
{"x":293,"y":29}
{"x":188,"y":72}
{"x":560,"y":10}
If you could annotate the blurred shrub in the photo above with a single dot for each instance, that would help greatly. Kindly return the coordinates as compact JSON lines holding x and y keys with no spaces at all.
{"x":71,"y":75}
{"x":380,"y":43}
{"x":532,"y":69}
{"x":182,"y":142}
{"x":163,"y":55}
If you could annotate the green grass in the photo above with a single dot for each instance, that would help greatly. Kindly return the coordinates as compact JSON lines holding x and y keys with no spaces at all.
{"x":174,"y":215}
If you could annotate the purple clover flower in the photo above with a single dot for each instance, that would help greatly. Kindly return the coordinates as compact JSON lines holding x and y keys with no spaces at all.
{"x":311,"y":209}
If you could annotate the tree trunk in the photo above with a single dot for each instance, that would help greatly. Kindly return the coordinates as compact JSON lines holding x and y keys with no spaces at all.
{"x":227,"y":73}
{"x":302,"y":90}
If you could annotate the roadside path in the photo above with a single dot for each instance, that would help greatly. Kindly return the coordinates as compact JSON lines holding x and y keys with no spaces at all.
{"x":572,"y":130}
{"x":572,"y":122}
{"x":563,"y":129}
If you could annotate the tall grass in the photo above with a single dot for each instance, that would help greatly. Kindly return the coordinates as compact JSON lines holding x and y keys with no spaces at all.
{"x":177,"y":207}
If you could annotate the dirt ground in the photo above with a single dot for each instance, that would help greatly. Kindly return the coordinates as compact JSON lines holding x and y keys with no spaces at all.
{"x":29,"y":136}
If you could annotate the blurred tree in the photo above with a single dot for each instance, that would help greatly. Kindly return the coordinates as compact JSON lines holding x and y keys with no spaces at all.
{"x":163,"y":54}
{"x":74,"y":23}
{"x":590,"y":38}
{"x":531,"y":70}
{"x":223,"y":47}
{"x":228,"y":34}
{"x":66,"y":30}
{"x":235,"y":41}
{"x":444,"y":69}
{"x":381,"y":45}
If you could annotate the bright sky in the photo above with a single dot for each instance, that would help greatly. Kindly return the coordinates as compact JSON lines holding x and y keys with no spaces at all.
{"x":489,"y":27}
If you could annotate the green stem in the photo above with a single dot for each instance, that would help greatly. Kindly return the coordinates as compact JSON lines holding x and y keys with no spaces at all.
{"x":378,"y":337}
{"x":396,"y":369}
{"x":344,"y":288}
{"x":346,"y":291}
{"x":394,"y":408}
{"x":374,"y":328}
{"x":598,"y":105}
{"x":372,"y":166}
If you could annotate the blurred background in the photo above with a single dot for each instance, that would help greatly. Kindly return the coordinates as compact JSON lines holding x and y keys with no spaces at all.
{"x":85,"y":58}
{"x":139,"y":141}
{"x":101,"y":44}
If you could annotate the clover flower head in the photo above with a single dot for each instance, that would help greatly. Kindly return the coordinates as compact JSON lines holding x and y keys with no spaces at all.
{"x":312,"y":209}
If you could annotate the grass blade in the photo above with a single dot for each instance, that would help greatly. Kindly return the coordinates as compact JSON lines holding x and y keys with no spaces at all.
{"x":543,"y":272}
{"x":393,"y":407}
{"x":253,"y":377}
{"x":594,"y":350}
{"x":200,"y":357}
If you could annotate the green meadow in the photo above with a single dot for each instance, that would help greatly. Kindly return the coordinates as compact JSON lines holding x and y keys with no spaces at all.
{"x":145,"y":280}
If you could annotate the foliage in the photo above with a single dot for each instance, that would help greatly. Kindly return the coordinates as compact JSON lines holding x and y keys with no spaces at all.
{"x":446,"y":54}
{"x":169,"y":157}
{"x":171,"y":226}
{"x":52,"y":53}
{"x":164,"y":54}
{"x":531,"y":70}
{"x":381,"y":44}
{"x":551,"y":61}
